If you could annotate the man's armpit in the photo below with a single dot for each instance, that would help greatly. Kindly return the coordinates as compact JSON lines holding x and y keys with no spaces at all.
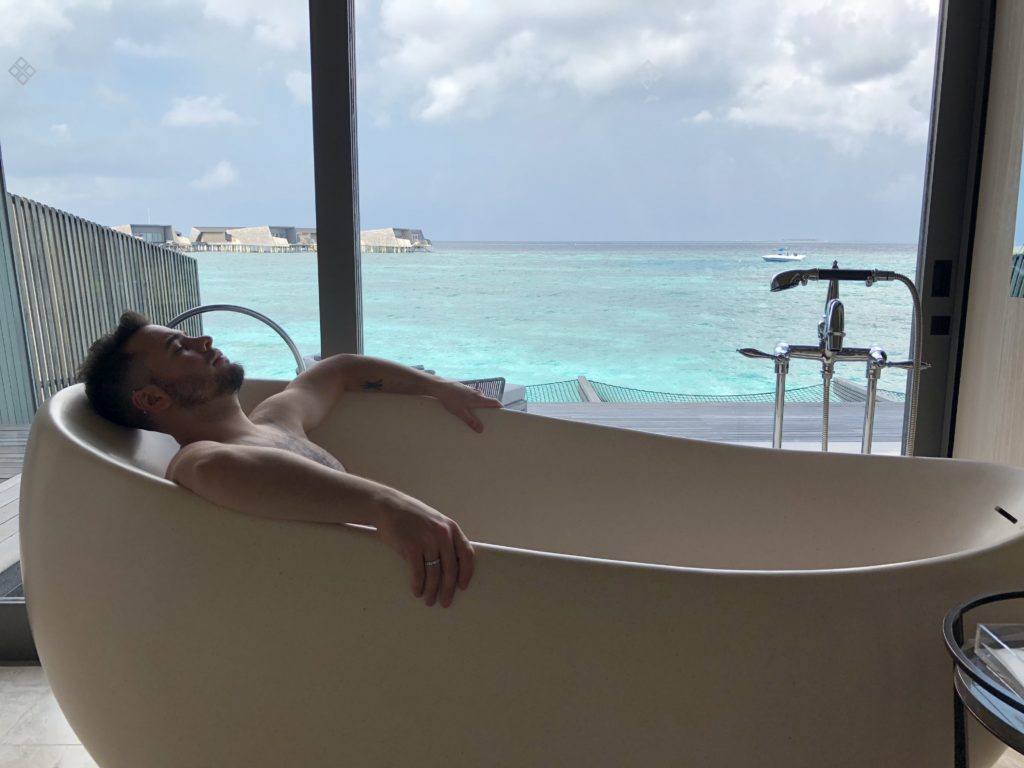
{"x":290,"y":409}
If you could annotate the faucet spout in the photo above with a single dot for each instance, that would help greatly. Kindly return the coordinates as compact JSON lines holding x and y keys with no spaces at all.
{"x":831,"y":329}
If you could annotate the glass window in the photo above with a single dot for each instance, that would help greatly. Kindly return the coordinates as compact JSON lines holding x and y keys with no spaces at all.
{"x":601,"y":183}
{"x":163,"y":120}
{"x":187,"y":114}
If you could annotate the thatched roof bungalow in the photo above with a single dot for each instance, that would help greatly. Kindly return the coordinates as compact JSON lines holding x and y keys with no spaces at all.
{"x":159,"y":234}
{"x":262,"y":235}
{"x":392,"y":240}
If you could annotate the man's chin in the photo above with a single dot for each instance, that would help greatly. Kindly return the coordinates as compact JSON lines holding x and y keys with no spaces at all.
{"x":233,"y":378}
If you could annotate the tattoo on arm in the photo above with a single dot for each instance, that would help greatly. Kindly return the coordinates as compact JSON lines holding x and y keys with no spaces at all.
{"x":374,"y":386}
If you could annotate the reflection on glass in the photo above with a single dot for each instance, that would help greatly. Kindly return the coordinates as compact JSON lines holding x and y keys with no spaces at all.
{"x":186,"y":124}
{"x":1017,"y":270}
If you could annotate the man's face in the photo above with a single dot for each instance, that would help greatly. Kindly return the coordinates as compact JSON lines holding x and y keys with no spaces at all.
{"x":187,"y":368}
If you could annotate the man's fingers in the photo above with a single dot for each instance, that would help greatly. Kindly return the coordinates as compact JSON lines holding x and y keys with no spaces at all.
{"x":480,"y":400}
{"x":433,"y":577}
{"x":449,"y":570}
{"x":473,"y":421}
{"x":464,"y":552}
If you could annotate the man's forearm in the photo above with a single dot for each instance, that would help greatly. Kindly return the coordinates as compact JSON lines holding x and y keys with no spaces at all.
{"x":374,"y":374}
{"x":269,"y":482}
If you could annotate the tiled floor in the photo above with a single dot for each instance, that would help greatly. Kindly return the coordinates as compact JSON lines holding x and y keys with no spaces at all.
{"x":34,"y":733}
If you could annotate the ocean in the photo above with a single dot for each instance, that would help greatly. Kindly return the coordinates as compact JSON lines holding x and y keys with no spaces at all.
{"x":666,"y":317}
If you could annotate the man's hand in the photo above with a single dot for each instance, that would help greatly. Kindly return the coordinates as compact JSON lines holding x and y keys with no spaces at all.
{"x":422,"y":535}
{"x":459,"y":399}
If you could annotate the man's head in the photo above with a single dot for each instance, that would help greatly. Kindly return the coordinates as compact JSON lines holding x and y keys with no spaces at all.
{"x":141,"y":373}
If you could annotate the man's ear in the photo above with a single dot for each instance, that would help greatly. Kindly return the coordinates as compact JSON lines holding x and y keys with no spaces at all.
{"x":151,"y":399}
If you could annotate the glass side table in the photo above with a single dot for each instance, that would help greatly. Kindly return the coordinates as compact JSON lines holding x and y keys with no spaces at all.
{"x":977,"y":690}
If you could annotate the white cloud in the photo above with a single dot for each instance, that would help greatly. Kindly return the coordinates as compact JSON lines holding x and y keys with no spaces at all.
{"x":281,"y":24}
{"x":448,"y":94}
{"x":25,"y":20}
{"x":701,"y":117}
{"x":60,"y":130}
{"x":301,"y":86}
{"x":839,"y":69}
{"x":221,"y":175}
{"x":199,"y":110}
{"x":146,"y":50}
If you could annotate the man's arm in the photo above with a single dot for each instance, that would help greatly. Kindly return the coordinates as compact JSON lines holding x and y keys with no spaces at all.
{"x":307,"y":400}
{"x":272,"y":483}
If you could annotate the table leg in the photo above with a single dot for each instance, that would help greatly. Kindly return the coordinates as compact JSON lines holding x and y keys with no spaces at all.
{"x":959,"y":733}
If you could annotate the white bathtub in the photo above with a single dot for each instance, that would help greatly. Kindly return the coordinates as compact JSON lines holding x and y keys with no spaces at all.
{"x":638,"y":600}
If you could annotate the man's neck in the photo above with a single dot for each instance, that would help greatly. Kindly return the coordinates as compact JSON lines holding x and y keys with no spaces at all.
{"x":221,"y":420}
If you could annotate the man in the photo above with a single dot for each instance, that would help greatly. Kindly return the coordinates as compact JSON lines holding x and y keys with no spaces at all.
{"x":151,"y":377}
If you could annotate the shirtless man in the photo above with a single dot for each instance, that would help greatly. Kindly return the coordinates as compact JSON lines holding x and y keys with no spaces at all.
{"x":151,"y":377}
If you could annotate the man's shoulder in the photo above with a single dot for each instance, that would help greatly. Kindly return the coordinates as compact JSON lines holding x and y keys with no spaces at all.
{"x":188,"y":455}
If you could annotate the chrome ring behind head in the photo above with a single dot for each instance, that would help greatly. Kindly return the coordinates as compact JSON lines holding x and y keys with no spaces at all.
{"x":299,"y":362}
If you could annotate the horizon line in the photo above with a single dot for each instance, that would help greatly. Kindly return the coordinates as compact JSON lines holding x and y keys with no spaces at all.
{"x":709,"y":241}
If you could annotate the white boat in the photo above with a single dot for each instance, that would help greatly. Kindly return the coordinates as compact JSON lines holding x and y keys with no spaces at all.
{"x":783,"y":254}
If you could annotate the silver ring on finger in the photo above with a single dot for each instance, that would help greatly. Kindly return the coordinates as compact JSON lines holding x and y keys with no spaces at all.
{"x":431,"y":563}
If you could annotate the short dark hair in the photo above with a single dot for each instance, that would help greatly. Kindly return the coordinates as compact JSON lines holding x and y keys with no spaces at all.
{"x":106,"y":373}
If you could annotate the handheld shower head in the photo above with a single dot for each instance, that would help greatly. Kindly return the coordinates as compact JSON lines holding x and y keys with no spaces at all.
{"x":794,"y":277}
{"x":791,"y":278}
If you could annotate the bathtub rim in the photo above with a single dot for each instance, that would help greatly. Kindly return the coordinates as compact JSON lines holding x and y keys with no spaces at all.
{"x":49,"y":414}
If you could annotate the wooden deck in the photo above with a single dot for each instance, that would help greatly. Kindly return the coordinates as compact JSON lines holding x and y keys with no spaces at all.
{"x":10,"y":552}
{"x":748,"y":423}
{"x":12,"y":450}
{"x":13,"y":440}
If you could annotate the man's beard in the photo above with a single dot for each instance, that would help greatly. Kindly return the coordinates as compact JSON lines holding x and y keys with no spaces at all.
{"x":190,"y":391}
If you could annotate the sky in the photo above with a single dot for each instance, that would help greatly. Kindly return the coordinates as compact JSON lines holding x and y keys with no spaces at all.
{"x":484,"y":120}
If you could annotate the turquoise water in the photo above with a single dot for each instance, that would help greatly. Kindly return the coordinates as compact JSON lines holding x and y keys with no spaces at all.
{"x":657,"y":316}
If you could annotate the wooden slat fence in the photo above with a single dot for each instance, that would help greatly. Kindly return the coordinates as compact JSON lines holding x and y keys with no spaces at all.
{"x":76,"y":277}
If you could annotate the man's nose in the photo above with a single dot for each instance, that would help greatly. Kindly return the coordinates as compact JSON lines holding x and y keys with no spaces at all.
{"x":204,"y":342}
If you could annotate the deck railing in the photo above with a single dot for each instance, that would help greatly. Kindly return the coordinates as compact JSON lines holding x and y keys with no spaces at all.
{"x":1017,"y":274}
{"x":76,"y":277}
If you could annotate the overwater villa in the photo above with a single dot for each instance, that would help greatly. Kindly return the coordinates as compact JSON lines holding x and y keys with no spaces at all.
{"x":393,"y":240}
{"x":654,"y":583}
{"x":269,"y":239}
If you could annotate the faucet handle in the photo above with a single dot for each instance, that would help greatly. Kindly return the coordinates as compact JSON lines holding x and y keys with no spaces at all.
{"x":906,"y":365}
{"x":751,"y":352}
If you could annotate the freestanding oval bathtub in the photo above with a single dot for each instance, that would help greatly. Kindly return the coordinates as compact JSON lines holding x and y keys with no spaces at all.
{"x":638,"y":600}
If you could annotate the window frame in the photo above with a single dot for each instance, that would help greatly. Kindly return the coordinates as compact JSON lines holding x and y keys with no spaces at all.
{"x":963,"y":69}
